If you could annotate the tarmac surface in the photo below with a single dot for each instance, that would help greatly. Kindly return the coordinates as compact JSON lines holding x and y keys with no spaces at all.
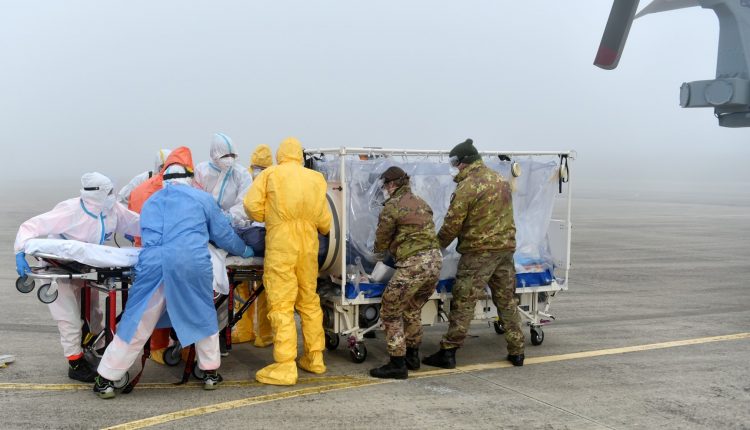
{"x":653,"y":333}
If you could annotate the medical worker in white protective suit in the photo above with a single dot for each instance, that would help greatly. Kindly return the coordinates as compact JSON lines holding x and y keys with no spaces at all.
{"x":173,"y":279}
{"x":93,"y":217}
{"x":291,"y":200}
{"x":228,"y":182}
{"x":124,"y":195}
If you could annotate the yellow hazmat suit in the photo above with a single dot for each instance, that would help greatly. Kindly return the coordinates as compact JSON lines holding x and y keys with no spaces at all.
{"x":247,"y":330}
{"x":291,"y":200}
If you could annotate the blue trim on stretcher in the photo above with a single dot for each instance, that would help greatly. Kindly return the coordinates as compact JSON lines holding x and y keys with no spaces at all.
{"x":523,"y":280}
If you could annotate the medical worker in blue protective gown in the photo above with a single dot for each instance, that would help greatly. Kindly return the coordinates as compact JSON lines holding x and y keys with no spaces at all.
{"x":93,"y":218}
{"x":173,"y":279}
{"x":225,"y":179}
{"x":291,"y":200}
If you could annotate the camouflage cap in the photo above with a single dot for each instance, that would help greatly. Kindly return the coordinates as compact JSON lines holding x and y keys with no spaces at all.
{"x":465,"y":152}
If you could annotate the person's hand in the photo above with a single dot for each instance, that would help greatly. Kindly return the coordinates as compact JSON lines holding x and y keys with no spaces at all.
{"x":130,"y":238}
{"x":22,"y":267}
{"x":248,"y":252}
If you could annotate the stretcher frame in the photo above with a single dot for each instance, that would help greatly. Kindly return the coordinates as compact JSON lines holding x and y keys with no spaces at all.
{"x":110,"y":281}
{"x":342,"y":315}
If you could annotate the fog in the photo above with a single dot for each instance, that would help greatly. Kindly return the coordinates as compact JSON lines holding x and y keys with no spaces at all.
{"x":90,"y":85}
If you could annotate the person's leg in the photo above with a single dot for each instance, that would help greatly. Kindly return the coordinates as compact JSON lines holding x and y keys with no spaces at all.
{"x":120,"y":355}
{"x":311,"y":314}
{"x":209,"y":360}
{"x":503,"y":286}
{"x":66,"y":311}
{"x":391,"y":313}
{"x":263,"y":333}
{"x":280,"y":280}
{"x":424,"y":275}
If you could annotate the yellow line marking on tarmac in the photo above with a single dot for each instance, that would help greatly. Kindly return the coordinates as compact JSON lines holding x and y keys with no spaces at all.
{"x":161,"y":419}
{"x":361,"y":382}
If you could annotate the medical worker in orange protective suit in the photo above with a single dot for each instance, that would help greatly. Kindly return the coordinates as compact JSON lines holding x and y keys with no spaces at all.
{"x":247,"y":329}
{"x":291,"y":200}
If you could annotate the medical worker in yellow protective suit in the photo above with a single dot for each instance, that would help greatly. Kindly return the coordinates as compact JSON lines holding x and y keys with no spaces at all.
{"x":247,"y":330}
{"x":291,"y":200}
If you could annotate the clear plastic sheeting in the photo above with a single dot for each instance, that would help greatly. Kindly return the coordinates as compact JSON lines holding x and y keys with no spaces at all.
{"x":430,"y":178}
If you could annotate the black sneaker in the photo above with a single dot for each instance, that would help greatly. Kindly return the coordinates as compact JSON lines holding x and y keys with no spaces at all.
{"x":104,"y":388}
{"x":81,"y":370}
{"x":516,"y":359}
{"x":211,"y":379}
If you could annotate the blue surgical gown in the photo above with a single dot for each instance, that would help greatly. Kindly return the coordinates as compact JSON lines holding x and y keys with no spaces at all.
{"x":176,"y":225}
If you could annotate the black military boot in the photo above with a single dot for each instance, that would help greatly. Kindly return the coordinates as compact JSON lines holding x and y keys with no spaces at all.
{"x":516,"y":359}
{"x":412,"y":358}
{"x":81,"y":370}
{"x":394,"y":369}
{"x":445,"y":358}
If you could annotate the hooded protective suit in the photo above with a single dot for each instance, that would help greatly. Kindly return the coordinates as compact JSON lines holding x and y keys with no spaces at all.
{"x":92,"y":218}
{"x":291,"y":200}
{"x":124,"y":195}
{"x":174,"y":273}
{"x":226,"y":180}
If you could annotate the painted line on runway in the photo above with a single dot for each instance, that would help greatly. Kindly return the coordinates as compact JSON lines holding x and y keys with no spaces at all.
{"x":234,"y":404}
{"x":361,"y":382}
{"x":169,"y":385}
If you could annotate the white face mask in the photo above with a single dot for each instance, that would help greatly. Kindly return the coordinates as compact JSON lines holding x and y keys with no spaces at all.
{"x":453,"y":171}
{"x":256,"y":171}
{"x":225,"y":163}
{"x":386,"y":194}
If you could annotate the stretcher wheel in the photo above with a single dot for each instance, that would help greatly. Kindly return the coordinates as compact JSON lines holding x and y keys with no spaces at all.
{"x":173,"y":355}
{"x":358,"y":352}
{"x":197,"y":372}
{"x":25,"y":285}
{"x":122,"y":382}
{"x":499,"y":329}
{"x":332,"y":341}
{"x":44,"y":295}
{"x":537,"y":336}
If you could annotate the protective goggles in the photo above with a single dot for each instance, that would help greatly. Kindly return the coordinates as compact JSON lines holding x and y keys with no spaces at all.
{"x":454,"y":161}
{"x":168,"y":176}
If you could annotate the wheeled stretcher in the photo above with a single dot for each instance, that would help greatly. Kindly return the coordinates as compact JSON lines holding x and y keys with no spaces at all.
{"x":102,"y":268}
{"x":351,"y":299}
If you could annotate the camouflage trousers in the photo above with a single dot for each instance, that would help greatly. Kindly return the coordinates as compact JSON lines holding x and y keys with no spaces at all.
{"x":408,"y":290}
{"x":474,"y":272}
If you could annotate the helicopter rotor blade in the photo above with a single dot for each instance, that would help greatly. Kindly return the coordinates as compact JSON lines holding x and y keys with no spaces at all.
{"x":615,"y":33}
{"x":665,"y":5}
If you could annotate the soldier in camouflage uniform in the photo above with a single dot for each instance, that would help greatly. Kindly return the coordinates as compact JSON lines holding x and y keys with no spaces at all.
{"x":481,"y":216}
{"x":406,"y":230}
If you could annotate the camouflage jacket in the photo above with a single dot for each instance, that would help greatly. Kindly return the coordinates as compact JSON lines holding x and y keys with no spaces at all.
{"x":405,"y":226}
{"x":480,"y":212}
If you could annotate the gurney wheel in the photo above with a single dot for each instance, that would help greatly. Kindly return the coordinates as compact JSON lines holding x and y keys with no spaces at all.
{"x":498,"y":327}
{"x":25,"y":285}
{"x":537,"y":336}
{"x":332,"y":341}
{"x":44,"y":295}
{"x":172,"y":355}
{"x":122,"y":382}
{"x":358,"y":352}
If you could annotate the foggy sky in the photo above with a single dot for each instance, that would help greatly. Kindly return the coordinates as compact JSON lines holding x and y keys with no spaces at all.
{"x":92,"y":85}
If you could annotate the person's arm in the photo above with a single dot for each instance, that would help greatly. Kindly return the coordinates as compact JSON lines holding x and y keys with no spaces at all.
{"x":323,"y":222}
{"x":220,"y":231}
{"x":124,"y":195}
{"x":387,"y":223}
{"x":55,"y":221}
{"x":457,"y":212}
{"x":255,"y":200}
{"x":237,"y":211}
{"x":128,"y":222}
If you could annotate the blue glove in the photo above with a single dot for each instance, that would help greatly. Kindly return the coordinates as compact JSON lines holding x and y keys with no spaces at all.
{"x":22,"y":267}
{"x":130,"y":238}
{"x":248,"y":252}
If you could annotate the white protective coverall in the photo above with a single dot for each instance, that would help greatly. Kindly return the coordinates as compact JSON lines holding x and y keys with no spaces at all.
{"x":92,"y":218}
{"x":124,"y":195}
{"x":291,"y":200}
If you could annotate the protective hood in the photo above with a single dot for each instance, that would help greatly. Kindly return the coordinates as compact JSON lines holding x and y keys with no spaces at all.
{"x":290,"y":150}
{"x":161,"y":157}
{"x":262,"y":156}
{"x":177,"y":174}
{"x":96,"y":190}
{"x":221,"y":145}
{"x":138,"y":197}
{"x":181,"y":156}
